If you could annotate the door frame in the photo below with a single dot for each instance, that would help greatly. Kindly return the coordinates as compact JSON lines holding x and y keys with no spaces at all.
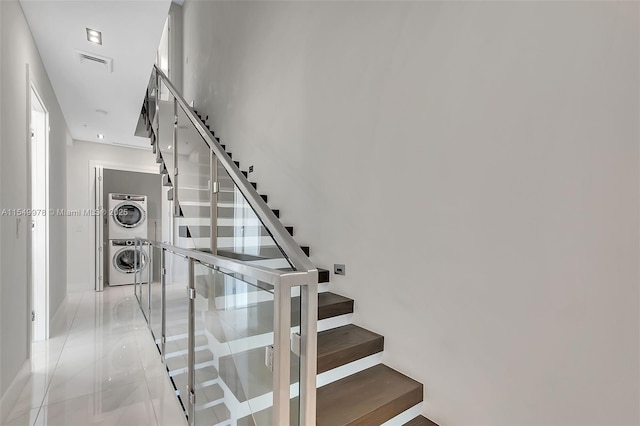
{"x":96,"y":193}
{"x":37,"y":319}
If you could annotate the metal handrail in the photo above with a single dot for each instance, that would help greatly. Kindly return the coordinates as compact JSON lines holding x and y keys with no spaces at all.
{"x":261,"y":273}
{"x":279,"y":233}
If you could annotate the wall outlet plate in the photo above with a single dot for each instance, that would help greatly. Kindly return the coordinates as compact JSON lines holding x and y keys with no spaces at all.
{"x":250,"y":169}
{"x":339,"y":269}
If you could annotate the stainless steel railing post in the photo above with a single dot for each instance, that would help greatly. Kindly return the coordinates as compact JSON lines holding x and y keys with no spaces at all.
{"x":135,"y":280}
{"x":149,"y":275}
{"x":156,"y":117}
{"x":213,"y":197}
{"x":281,"y":353}
{"x":176,"y":202}
{"x":163,"y":303}
{"x":308,"y":348}
{"x":191,"y":357}
{"x":135,"y":269}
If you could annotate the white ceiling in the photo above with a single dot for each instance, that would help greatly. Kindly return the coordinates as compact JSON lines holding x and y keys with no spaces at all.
{"x":131,"y":31}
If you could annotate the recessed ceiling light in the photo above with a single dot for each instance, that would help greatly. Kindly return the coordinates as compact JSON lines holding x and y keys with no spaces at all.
{"x":100,"y":136}
{"x":94,"y":36}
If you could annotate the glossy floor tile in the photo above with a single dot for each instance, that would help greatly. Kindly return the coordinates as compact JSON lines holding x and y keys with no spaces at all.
{"x":100,"y":367}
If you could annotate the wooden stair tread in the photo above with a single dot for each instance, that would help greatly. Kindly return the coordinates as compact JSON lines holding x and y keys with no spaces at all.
{"x":420,"y":421}
{"x":370,"y":397}
{"x":342,"y":345}
{"x":332,"y":305}
{"x":336,"y":347}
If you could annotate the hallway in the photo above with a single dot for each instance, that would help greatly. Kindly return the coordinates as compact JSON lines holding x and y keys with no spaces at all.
{"x":100,"y":367}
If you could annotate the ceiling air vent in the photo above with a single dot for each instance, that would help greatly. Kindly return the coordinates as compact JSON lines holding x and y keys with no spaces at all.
{"x":92,"y":60}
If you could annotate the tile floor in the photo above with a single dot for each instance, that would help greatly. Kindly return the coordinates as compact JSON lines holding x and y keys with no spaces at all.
{"x":100,"y":367}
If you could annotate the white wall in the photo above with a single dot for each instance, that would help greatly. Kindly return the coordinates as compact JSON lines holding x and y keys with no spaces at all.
{"x":17,"y":50}
{"x":175,"y":44}
{"x":474,"y":164}
{"x":81,"y":195}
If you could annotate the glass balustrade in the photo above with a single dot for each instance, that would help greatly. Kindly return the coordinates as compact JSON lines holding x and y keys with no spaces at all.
{"x":155,"y":293}
{"x":194,"y":175}
{"x":219,"y":206}
{"x":138,"y":262}
{"x":234,"y":325}
{"x":225,"y":298}
{"x":241,"y":233}
{"x":176,"y":336}
{"x":165,"y":127}
{"x":218,"y":331}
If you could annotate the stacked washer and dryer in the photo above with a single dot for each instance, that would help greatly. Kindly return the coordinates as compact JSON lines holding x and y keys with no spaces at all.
{"x":127,"y":220}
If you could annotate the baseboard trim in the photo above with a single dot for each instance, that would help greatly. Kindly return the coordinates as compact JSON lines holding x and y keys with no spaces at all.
{"x":14,"y":390}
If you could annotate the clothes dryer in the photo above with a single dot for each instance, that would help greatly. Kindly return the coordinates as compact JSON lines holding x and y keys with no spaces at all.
{"x":127,"y":216}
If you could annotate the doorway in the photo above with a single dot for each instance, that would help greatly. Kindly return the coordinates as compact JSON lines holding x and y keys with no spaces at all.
{"x":39,"y":204}
{"x":125,"y":178}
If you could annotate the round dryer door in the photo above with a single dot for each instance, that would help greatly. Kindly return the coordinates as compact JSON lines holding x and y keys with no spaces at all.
{"x":126,"y":259}
{"x":128,"y":215}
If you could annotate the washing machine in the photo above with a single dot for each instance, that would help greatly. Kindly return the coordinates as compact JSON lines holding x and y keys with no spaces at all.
{"x":123,"y":262}
{"x":127,"y":216}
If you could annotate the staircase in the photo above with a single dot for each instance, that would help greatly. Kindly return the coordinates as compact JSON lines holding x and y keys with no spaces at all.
{"x":234,"y":315}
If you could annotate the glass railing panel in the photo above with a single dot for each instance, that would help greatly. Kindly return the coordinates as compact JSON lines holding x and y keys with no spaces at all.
{"x":177,"y":322}
{"x":234,"y":326}
{"x":164,"y":94}
{"x":151,"y":100}
{"x":155,"y":294}
{"x":137,"y":260}
{"x":214,"y":400}
{"x":166,"y":115}
{"x":241,"y":233}
{"x":194,"y":158}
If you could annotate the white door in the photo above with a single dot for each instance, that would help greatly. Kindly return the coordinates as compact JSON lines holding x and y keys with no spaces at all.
{"x":39,"y":198}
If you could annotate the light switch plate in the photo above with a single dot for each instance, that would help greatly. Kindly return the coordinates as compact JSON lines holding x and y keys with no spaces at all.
{"x":339,"y":269}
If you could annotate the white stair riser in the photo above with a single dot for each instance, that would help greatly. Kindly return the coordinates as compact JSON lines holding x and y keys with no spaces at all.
{"x":405,"y":416}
